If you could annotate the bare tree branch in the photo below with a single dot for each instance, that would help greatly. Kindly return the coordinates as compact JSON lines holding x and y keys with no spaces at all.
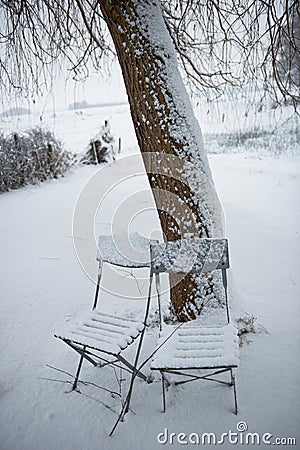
{"x":220,"y":43}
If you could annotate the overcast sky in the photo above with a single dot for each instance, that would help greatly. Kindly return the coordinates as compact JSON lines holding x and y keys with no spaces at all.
{"x":96,"y":88}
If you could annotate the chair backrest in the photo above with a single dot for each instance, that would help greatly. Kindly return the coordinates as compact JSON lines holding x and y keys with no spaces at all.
{"x":124,"y":250}
{"x":127,"y":250}
{"x":192,"y":255}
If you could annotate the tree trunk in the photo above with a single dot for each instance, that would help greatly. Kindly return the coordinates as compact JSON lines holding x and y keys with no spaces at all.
{"x":169,"y":137}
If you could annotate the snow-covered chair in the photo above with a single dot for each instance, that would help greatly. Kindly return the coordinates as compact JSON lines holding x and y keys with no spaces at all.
{"x":101,"y":337}
{"x":194,"y":349}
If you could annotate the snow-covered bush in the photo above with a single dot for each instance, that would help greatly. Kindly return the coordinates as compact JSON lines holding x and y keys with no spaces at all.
{"x":30,"y":158}
{"x":101,"y":148}
{"x":247,"y":325}
{"x":96,"y":153}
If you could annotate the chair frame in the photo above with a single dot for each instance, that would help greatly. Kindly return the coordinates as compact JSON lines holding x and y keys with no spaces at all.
{"x":99,"y":359}
{"x":223,"y":265}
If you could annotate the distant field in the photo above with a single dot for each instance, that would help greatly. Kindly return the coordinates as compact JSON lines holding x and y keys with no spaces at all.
{"x":227,"y":127}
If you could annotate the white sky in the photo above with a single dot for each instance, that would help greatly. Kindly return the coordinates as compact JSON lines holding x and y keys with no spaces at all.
{"x":97,"y":88}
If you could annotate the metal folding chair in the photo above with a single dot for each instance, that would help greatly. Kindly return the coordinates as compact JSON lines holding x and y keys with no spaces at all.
{"x":195,"y":351}
{"x":101,"y":338}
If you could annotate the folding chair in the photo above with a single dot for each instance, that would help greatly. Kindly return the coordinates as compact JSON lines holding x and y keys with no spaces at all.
{"x":101,"y":338}
{"x":191,"y":347}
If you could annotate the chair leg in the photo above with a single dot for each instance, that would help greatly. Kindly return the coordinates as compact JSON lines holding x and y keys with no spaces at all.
{"x":74,"y":387}
{"x":135,"y":371}
{"x":163,"y":392}
{"x":234,"y":391}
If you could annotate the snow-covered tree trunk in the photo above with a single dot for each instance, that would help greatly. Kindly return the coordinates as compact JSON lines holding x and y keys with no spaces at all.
{"x":169,"y":136}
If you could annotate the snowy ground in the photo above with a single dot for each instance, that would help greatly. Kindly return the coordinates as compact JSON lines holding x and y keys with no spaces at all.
{"x":43,"y":286}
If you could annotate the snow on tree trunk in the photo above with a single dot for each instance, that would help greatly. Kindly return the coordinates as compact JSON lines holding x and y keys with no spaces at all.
{"x":169,"y":138}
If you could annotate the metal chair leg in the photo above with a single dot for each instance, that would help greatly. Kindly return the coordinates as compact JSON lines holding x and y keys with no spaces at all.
{"x":234,"y":391}
{"x":74,"y":387}
{"x":163,"y":392}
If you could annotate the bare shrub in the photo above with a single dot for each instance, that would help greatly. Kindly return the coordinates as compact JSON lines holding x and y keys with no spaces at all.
{"x":30,"y":158}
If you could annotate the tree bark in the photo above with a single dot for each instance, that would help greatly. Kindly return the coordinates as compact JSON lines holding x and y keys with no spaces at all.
{"x":169,"y":137}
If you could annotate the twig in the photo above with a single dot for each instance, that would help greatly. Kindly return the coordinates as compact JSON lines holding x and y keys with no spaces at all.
{"x":128,"y":274}
{"x":53,"y":379}
{"x":113,"y":393}
{"x":59,"y":370}
{"x":86,"y":383}
{"x":134,"y":375}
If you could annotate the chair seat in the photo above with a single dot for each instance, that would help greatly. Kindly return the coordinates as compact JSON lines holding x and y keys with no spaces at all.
{"x":104,"y":332}
{"x":196,"y":347}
